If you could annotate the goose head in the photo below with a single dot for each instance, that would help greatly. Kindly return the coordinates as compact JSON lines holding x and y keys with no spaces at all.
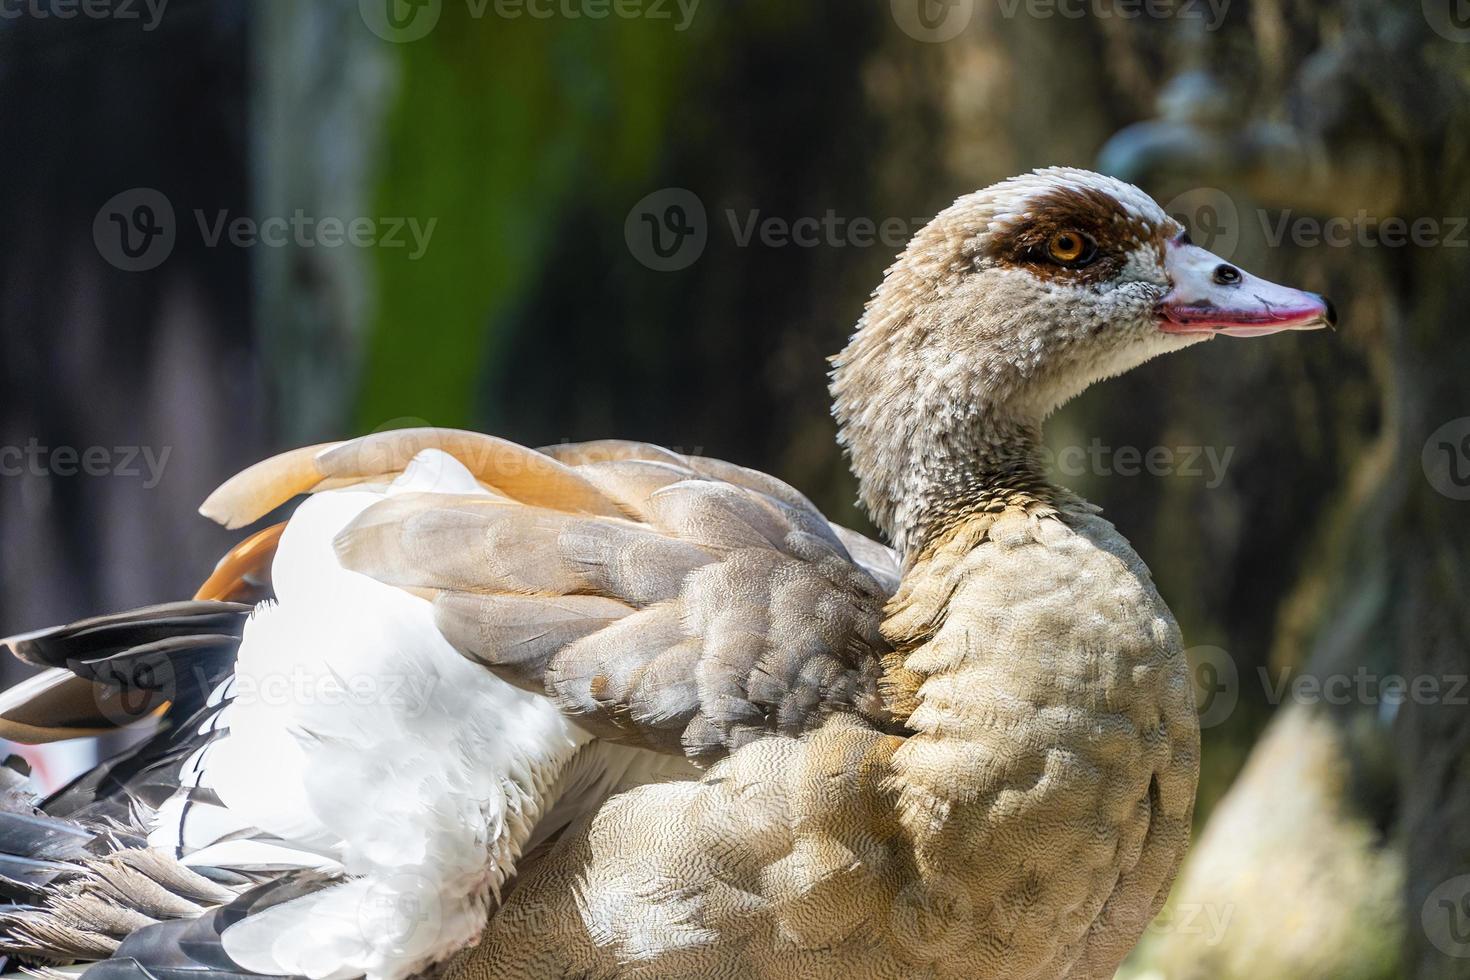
{"x":1009,"y":303}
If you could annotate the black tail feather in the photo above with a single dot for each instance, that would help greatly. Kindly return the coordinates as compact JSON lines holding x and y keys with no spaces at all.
{"x":189,"y":949}
{"x":100,"y":637}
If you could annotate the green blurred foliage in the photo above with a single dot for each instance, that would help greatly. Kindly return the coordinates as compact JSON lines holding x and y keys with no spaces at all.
{"x":494,"y":129}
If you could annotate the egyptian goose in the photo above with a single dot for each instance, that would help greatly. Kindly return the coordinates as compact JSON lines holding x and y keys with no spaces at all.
{"x":605,"y":710}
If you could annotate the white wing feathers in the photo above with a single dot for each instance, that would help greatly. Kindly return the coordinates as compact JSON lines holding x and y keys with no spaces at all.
{"x":358,"y":740}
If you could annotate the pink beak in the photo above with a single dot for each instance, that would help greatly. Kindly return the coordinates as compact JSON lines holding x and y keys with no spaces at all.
{"x":1212,"y":296}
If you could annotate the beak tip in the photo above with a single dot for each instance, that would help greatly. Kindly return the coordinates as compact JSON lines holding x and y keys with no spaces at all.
{"x":1329,"y":310}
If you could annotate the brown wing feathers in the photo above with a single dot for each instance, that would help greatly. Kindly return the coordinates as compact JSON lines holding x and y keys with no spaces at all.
{"x":250,"y":495}
{"x":244,"y":574}
{"x":669,"y":601}
{"x":664,"y":600}
{"x":515,"y":471}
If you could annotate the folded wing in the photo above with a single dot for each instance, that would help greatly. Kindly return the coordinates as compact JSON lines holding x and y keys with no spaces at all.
{"x":671,"y":602}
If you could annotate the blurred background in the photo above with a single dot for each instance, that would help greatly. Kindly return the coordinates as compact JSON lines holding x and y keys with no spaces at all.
{"x":233,"y":228}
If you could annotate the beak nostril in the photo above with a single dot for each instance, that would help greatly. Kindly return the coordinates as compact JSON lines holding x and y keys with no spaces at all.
{"x":1226,"y":274}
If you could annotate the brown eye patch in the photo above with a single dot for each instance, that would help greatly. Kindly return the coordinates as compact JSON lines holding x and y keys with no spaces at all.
{"x":1077,"y":234}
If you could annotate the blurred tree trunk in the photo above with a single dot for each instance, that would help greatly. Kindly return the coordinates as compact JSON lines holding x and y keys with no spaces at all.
{"x":323,"y":86}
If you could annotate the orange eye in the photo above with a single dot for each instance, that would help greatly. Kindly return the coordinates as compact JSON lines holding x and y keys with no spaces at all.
{"x":1070,"y":248}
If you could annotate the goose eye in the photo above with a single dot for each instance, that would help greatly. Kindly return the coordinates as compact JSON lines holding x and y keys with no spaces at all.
{"x":1070,"y":248}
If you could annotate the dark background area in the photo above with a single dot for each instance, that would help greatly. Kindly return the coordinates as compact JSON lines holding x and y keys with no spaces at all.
{"x":1334,"y":838}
